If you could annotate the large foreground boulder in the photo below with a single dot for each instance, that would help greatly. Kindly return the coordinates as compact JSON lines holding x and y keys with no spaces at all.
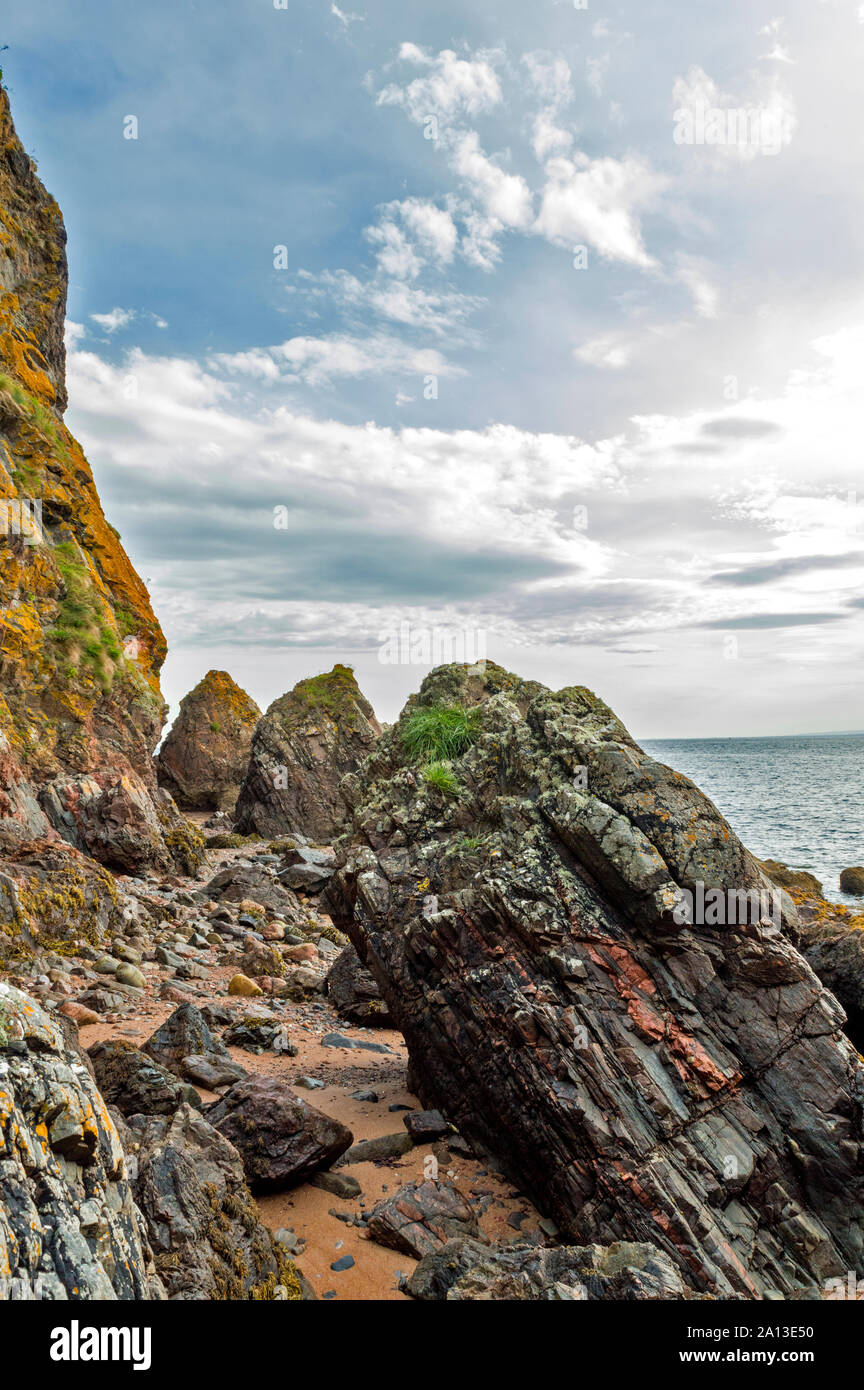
{"x":281,"y":1140}
{"x":539,"y":901}
{"x":203,"y":760}
{"x":305,"y":743}
{"x":69,"y":1227}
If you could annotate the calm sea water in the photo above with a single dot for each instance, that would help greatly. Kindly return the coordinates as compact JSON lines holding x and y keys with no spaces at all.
{"x":797,"y":799}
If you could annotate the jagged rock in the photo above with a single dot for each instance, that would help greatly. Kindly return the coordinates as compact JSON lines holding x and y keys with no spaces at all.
{"x":135,"y":1083}
{"x":203,"y":760}
{"x":303,"y":745}
{"x":795,"y":880}
{"x":421,"y":1217}
{"x":203,"y":1224}
{"x":80,"y":648}
{"x":69,"y":1227}
{"x":280,"y":1138}
{"x":186,"y":1035}
{"x":852,"y":882}
{"x":641,"y":1076}
{"x":425,"y":1126}
{"x":466,"y":1269}
{"x":307,"y":870}
{"x":354,"y":992}
{"x":259,"y":1035}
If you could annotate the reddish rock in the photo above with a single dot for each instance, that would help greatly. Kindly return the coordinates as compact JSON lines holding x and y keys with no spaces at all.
{"x":203,"y":760}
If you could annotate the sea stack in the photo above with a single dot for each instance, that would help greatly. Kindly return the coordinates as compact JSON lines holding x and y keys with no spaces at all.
{"x":203,"y":760}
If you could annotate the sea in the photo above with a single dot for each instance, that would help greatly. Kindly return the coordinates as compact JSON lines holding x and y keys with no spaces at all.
{"x":799,"y":799}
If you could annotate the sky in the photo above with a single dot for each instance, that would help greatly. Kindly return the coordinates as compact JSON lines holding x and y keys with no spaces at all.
{"x":534,"y":332}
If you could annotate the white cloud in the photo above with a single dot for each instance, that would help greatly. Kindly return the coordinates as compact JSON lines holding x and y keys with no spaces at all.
{"x":549,"y":138}
{"x":504,"y":197}
{"x":316,"y":361}
{"x":73,"y":333}
{"x":345,"y":18}
{"x":692,"y":274}
{"x":597,"y":201}
{"x":610,"y":350}
{"x":550,"y":78}
{"x":411,"y":233}
{"x":117,"y":318}
{"x":451,"y":87}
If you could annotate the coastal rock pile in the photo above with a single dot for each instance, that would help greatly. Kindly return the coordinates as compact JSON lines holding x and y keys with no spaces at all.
{"x":516,"y":876}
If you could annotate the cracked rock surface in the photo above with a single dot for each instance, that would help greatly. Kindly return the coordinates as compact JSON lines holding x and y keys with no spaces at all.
{"x":645,"y":1079}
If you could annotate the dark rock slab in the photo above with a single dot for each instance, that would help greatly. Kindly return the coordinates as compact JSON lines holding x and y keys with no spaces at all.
{"x":280,"y":1138}
{"x":135,"y":1083}
{"x":354,"y":993}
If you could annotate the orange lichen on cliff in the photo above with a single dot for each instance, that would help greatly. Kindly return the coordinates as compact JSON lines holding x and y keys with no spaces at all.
{"x":70,"y":600}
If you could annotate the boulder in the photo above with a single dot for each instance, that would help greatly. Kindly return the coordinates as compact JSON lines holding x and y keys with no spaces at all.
{"x":256,"y":884}
{"x":421,"y":1217}
{"x":466,"y":1269}
{"x":69,"y":1226}
{"x":135,"y":1084}
{"x":302,"y":747}
{"x":186,"y":1035}
{"x":203,"y":1224}
{"x":280,"y":1138}
{"x":52,"y":895}
{"x":353,"y":991}
{"x":852,"y":882}
{"x":537,"y":924}
{"x":203,"y":760}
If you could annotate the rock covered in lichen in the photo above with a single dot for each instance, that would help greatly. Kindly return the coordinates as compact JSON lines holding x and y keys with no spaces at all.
{"x":52,"y":897}
{"x":69,"y":1227}
{"x":204,"y":758}
{"x":644,"y":1076}
{"x":302,"y":747}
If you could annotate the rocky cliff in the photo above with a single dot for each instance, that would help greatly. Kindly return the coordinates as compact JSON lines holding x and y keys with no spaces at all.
{"x":80,"y":648}
{"x":517,"y":876}
{"x":203,"y":760}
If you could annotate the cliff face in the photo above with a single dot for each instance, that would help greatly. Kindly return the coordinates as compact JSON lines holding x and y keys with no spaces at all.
{"x":80,"y":647}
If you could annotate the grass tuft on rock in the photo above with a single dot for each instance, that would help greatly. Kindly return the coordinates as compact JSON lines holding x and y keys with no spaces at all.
{"x":435,"y":733}
{"x":441,"y":776}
